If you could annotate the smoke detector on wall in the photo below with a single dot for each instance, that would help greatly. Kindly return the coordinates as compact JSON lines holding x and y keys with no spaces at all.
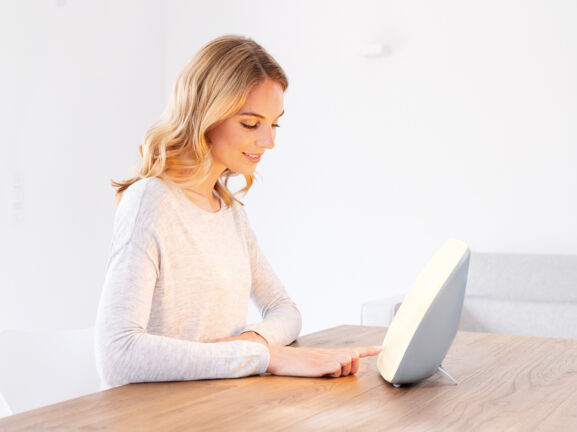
{"x":375,"y":49}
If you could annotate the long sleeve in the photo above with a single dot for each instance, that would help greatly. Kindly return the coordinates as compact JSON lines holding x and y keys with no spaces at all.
{"x":126,"y":353}
{"x":126,"y":350}
{"x":281,"y":323}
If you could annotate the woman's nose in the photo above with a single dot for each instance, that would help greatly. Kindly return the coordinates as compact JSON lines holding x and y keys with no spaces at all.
{"x":266,"y":139}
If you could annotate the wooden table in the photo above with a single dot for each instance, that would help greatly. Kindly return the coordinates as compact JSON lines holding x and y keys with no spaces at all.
{"x":506,"y":383}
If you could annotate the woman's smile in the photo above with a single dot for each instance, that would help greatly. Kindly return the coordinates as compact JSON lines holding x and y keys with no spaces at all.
{"x":253,"y":157}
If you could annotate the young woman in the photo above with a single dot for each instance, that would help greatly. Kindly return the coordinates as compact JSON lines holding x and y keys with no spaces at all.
{"x":184,"y":261}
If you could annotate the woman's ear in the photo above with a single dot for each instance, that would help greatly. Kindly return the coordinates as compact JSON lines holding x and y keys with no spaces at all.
{"x":207,"y":136}
{"x":208,"y":132}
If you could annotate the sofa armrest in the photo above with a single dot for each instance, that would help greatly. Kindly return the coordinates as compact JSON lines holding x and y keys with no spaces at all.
{"x":380,"y":312}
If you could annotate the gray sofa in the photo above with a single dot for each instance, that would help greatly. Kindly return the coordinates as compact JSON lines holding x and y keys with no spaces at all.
{"x":508,"y":293}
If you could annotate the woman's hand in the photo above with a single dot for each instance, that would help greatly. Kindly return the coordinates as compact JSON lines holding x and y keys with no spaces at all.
{"x":250,"y":336}
{"x":317,"y":362}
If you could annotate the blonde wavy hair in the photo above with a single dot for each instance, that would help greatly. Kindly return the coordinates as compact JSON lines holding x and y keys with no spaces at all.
{"x":213,"y":86}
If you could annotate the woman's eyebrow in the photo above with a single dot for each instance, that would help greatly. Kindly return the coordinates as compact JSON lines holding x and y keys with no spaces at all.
{"x":258,"y":115}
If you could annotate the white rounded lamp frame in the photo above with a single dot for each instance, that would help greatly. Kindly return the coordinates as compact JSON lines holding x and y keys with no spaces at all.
{"x":425,"y":325}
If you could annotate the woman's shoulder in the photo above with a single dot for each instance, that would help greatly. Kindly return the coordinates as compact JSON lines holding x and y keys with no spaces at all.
{"x":144,"y":203}
{"x":145,"y":195}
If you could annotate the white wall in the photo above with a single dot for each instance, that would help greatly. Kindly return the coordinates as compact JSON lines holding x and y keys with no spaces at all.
{"x":80,"y":82}
{"x":464,"y":130}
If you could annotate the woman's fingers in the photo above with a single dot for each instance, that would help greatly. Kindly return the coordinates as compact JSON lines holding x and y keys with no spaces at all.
{"x":346,"y":366}
{"x":369,"y":351}
{"x":355,"y":363}
{"x":349,"y":365}
{"x":337,"y":371}
{"x":349,"y":362}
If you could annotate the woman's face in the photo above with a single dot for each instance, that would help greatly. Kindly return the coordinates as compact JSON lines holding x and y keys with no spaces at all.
{"x":239,"y":142}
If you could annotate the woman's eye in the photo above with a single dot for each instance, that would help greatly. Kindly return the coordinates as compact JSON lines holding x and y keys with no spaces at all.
{"x":255,"y":126}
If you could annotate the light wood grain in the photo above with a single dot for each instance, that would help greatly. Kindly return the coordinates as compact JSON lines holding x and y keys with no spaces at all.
{"x":509,"y":383}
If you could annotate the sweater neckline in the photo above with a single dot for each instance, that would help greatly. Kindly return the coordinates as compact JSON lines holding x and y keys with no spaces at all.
{"x":198,"y":208}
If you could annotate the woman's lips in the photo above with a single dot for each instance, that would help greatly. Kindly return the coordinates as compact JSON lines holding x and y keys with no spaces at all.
{"x":252,"y":158}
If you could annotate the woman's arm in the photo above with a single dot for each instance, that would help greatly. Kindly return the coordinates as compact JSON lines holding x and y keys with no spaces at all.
{"x":310,"y":362}
{"x":126,"y":353}
{"x":281,"y":322}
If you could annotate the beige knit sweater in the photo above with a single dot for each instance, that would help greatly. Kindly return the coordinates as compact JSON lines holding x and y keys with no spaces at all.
{"x":177,"y":278}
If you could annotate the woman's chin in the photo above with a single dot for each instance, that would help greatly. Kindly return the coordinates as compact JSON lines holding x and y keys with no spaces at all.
{"x":243,"y":170}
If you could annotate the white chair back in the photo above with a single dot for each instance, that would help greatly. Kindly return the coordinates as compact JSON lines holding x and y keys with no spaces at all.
{"x":5,"y":410}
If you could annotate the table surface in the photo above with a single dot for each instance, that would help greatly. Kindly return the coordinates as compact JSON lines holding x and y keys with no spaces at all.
{"x":512,"y":383}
